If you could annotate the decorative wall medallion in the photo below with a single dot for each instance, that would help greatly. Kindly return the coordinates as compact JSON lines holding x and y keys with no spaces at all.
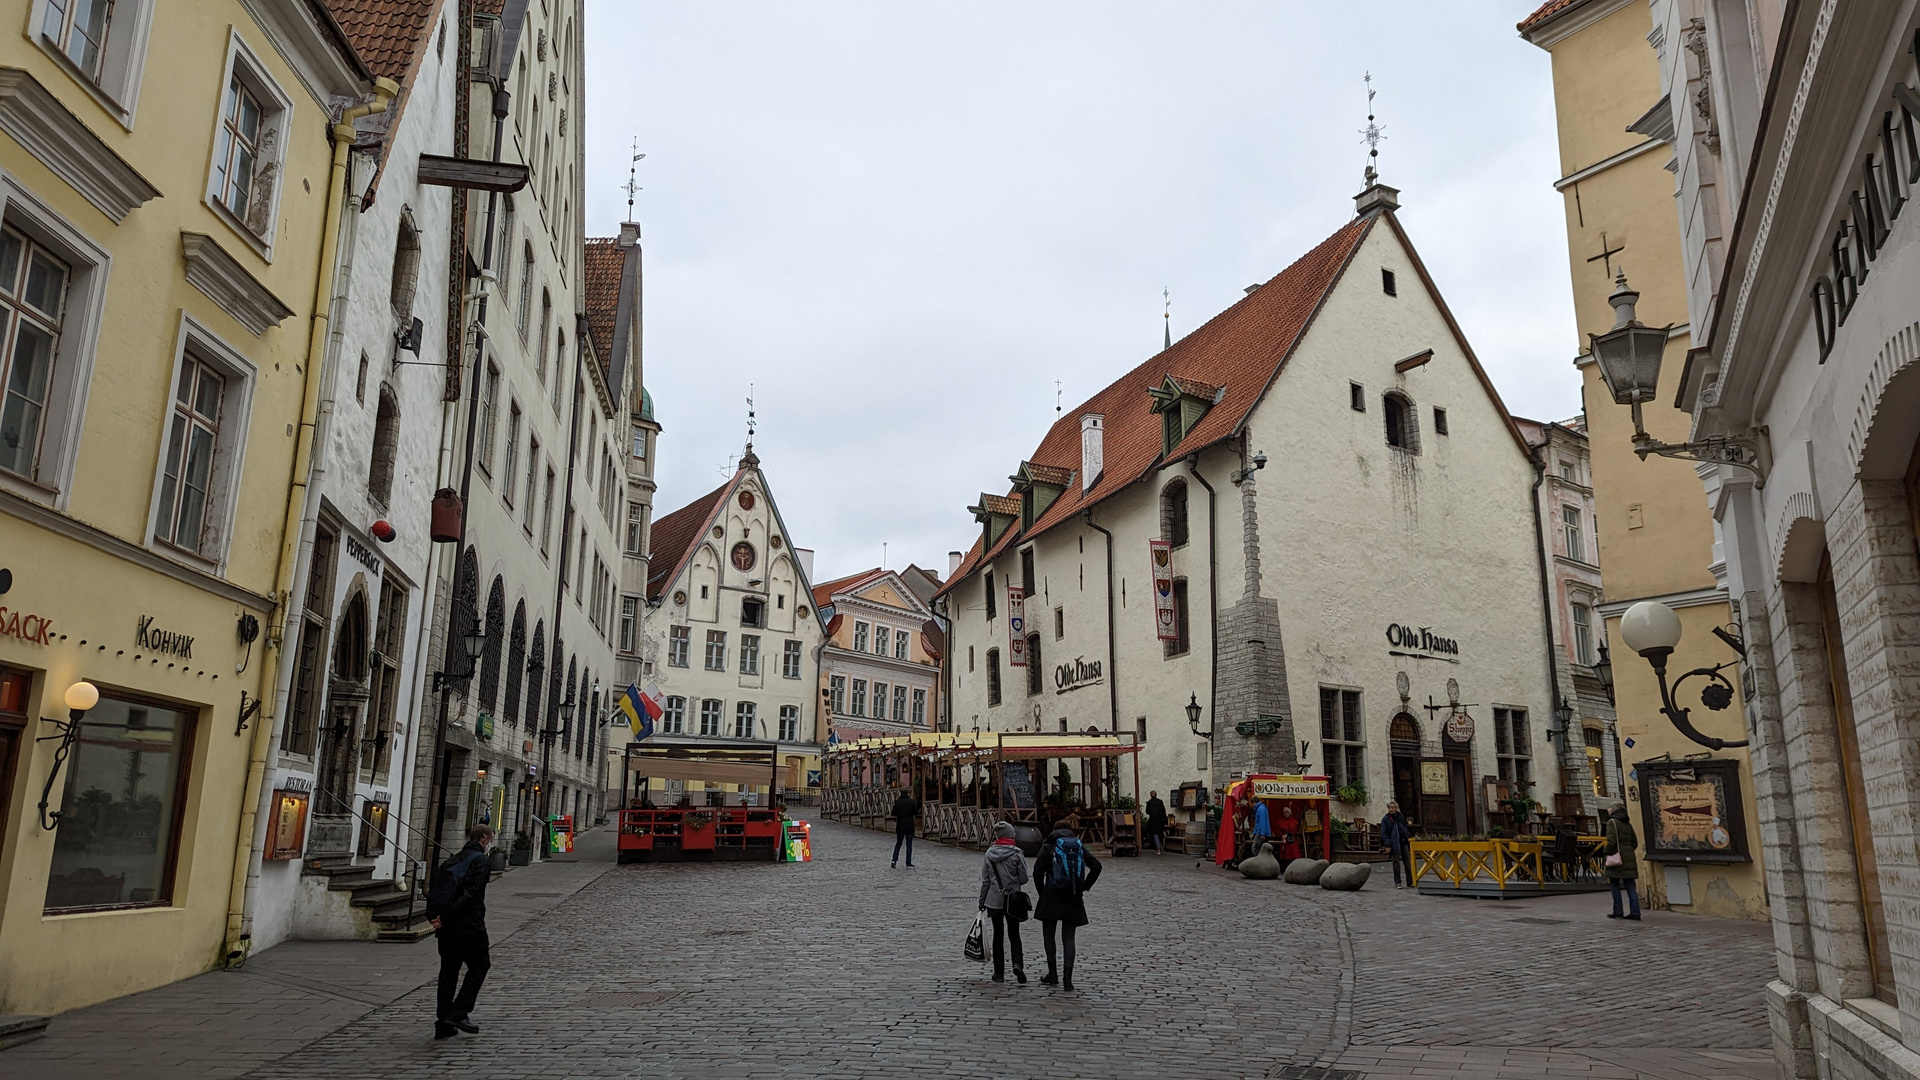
{"x":746,"y":500}
{"x":744,"y":556}
{"x":776,"y":542}
{"x":718,"y":532}
{"x":680,"y":598}
{"x":803,"y":612}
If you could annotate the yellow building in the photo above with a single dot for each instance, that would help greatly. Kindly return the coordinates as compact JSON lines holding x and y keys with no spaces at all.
{"x":1656,"y":534}
{"x":166,"y":233}
{"x":880,"y":668}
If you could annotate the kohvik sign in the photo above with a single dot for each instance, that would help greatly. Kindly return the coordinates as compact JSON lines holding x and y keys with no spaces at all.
{"x":1421,"y":638}
{"x":1075,"y":674}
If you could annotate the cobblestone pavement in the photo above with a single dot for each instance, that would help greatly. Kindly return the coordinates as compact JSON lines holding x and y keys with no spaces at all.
{"x":844,"y":968}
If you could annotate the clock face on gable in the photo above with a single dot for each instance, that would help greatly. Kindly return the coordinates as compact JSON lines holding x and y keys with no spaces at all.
{"x":743,"y":556}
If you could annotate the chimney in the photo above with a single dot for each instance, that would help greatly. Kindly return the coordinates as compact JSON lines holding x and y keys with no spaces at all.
{"x":629,"y":234}
{"x":1092,"y":448}
{"x":804,"y":556}
{"x":954,"y":559}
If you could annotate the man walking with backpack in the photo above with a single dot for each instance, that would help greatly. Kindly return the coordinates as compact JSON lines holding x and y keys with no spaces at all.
{"x":457,"y":908}
{"x":1064,"y":872}
{"x":905,"y":809}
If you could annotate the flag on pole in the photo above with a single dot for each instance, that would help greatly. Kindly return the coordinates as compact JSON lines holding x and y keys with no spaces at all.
{"x":641,"y":709}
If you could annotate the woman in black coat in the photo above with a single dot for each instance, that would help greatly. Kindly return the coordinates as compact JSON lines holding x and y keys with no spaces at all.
{"x":1064,"y":872}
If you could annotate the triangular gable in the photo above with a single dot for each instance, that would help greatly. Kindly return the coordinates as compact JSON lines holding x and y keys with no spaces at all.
{"x":676,"y":536}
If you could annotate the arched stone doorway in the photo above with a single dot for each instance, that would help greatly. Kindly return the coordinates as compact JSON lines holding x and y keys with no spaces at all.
{"x":1403,"y":741}
{"x":331,"y":831}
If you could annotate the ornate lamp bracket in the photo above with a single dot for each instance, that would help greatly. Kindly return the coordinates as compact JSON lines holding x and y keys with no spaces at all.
{"x":1749,"y":450}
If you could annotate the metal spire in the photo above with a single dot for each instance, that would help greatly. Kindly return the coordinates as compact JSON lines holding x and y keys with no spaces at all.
{"x":1166,"y":318}
{"x":750,"y":420}
{"x":632,"y":185}
{"x":1372,"y":134}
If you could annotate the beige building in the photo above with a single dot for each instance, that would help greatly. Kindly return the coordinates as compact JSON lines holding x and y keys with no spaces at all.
{"x":171,"y":190}
{"x":1655,"y":529}
{"x":880,"y":668}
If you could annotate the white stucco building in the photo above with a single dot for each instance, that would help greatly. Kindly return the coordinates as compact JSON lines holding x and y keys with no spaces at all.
{"x":1350,"y":554}
{"x":730,"y":635}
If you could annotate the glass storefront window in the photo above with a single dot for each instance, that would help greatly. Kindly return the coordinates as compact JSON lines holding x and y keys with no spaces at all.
{"x":119,"y":818}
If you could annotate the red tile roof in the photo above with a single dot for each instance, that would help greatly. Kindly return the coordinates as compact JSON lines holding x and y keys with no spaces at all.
{"x":823,"y":593}
{"x":386,"y":33}
{"x":605,"y":260}
{"x":676,"y":535}
{"x":1001,"y":504}
{"x":1544,"y":12}
{"x":1050,"y":474}
{"x":1233,"y":358}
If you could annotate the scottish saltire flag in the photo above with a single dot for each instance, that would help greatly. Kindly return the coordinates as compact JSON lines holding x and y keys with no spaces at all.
{"x":641,"y":709}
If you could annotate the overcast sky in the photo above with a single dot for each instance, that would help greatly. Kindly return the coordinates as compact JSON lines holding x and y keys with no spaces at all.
{"x":903,"y":222}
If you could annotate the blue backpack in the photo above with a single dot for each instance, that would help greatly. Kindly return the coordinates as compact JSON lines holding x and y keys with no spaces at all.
{"x":1069,"y":866}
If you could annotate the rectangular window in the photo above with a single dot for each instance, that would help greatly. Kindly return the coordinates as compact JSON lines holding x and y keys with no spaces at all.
{"x":790,"y":660}
{"x":743,"y":718}
{"x":78,"y":28}
{"x":1059,"y":623}
{"x":510,"y":475}
{"x":1513,"y":748}
{"x":899,"y":702}
{"x":902,"y":645}
{"x":837,"y":694}
{"x":859,"y":637}
{"x":524,"y":316}
{"x":389,"y":640}
{"x":1566,"y":470}
{"x":546,"y":514}
{"x":673,"y":718}
{"x":489,"y":406}
{"x":1140,"y":729}
{"x":789,"y":723}
{"x":1387,"y":284}
{"x":716,"y":650}
{"x":858,"y":706}
{"x":121,"y":808}
{"x":710,"y":716}
{"x":753,"y":612}
{"x":1183,"y":639}
{"x":993,"y":676}
{"x":193,"y":437}
{"x":1583,"y":635}
{"x":635,"y":527}
{"x":992,"y":610}
{"x":881,"y":637}
{"x":1576,"y":539}
{"x":879,"y":701}
{"x":629,"y":622}
{"x":1439,"y":420}
{"x":919,"y":708}
{"x":639,"y":443}
{"x":679,"y":644}
{"x":1343,"y":736}
{"x":236,"y":162}
{"x":749,"y":654}
{"x":33,"y":287}
{"x":533,"y":482}
{"x":1356,"y":397}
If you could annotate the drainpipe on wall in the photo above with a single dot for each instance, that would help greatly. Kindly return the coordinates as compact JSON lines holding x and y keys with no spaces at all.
{"x":239,"y":937}
{"x":1113,"y":674}
{"x":1213,"y":601}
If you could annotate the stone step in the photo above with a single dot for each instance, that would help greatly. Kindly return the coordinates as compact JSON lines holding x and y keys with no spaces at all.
{"x":17,"y":1029}
{"x":416,"y":932}
{"x":388,"y":901}
{"x":342,"y":874}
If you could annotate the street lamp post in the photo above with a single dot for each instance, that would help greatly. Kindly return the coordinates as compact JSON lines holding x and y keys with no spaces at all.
{"x":547,"y":735}
{"x":472,"y":642}
{"x":1651,"y":629}
{"x":79,"y":698}
{"x":1194,"y":709}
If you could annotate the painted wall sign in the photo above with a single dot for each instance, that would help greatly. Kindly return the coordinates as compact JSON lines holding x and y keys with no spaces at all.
{"x":363,"y":555}
{"x":1076,"y":674}
{"x":1869,"y":216}
{"x":1016,"y":626}
{"x":1692,"y":811}
{"x":1433,"y":778}
{"x":1290,"y":787}
{"x":25,"y":625}
{"x":1421,"y":638}
{"x":1166,"y":620}
{"x":154,"y":639}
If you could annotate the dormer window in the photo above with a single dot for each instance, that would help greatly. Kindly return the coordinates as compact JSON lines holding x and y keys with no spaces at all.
{"x":1181,"y":403}
{"x":1038,"y":485}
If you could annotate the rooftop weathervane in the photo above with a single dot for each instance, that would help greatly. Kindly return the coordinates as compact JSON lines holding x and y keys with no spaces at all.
{"x":632,"y":185}
{"x":1372,"y":133}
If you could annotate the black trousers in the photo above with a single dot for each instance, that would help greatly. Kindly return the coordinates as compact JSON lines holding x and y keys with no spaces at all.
{"x":903,"y":835}
{"x":466,"y":949}
{"x":1401,"y":854}
{"x":1066,"y":942}
{"x":1005,"y":931}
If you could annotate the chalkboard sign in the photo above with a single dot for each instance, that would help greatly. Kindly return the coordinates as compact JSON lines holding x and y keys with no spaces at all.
{"x":1018,"y":784}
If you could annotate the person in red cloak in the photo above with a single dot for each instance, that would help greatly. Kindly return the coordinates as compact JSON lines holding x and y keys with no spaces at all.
{"x":1226,"y":846}
{"x":1286,"y":834}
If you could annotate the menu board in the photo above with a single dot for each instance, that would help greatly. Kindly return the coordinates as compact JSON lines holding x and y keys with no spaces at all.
{"x":1692,"y":811}
{"x":1018,"y":784}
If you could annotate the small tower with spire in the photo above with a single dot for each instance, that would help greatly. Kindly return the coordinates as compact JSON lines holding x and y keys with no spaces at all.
{"x":1375,"y":195}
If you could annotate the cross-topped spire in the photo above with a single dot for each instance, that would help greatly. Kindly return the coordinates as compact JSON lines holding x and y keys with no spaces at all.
{"x":1166,"y":316}
{"x":632,"y":185}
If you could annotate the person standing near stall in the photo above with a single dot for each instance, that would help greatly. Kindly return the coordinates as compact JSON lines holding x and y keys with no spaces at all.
{"x":1398,"y":835}
{"x":1003,"y":877}
{"x":1064,"y":872}
{"x":1262,"y":825}
{"x":1156,"y":821}
{"x":1623,"y":863}
{"x":905,"y":809}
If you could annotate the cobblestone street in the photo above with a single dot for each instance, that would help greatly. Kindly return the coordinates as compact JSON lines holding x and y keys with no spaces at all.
{"x":842,"y":967}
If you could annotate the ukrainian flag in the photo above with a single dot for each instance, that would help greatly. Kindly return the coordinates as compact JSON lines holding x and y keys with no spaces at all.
{"x":641,"y":709}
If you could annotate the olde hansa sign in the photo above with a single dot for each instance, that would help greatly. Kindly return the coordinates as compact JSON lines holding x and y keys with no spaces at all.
{"x":1290,"y":787}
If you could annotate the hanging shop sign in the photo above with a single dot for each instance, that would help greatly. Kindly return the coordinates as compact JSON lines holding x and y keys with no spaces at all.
{"x":1290,"y":787}
{"x":1166,"y":621}
{"x":1422,"y":642}
{"x":1016,"y":626}
{"x":26,"y":626}
{"x":1077,"y":673}
{"x":1693,"y":811}
{"x":1459,"y":727}
{"x":154,"y":639}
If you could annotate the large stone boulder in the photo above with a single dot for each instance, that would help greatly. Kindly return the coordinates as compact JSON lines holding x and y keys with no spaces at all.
{"x":1262,"y":867}
{"x":1346,"y":876}
{"x":1305,"y":871}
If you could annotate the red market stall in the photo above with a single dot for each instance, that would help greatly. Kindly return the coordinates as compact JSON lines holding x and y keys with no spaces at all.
{"x":1299,"y":817}
{"x":657,"y":833}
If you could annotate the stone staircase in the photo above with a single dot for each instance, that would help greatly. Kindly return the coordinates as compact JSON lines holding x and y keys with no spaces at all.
{"x":389,"y":909}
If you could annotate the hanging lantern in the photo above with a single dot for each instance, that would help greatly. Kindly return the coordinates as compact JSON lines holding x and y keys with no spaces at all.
{"x":448,"y":521}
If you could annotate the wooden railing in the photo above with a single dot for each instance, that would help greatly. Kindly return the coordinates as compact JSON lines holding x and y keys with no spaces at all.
{"x":1528,"y":865}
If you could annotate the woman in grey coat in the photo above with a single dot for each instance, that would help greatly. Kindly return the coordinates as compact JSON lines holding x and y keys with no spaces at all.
{"x":1003,"y":873}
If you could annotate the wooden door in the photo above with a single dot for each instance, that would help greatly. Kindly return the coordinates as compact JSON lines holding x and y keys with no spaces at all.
{"x":14,"y":686}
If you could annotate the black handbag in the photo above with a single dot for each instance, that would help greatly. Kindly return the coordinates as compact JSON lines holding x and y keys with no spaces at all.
{"x":1019,"y":906}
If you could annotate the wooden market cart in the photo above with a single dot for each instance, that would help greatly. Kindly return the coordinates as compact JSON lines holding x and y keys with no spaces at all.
{"x":653,"y":833}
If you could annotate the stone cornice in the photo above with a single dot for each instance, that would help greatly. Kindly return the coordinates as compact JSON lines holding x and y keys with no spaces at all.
{"x":241,"y":295}
{"x":68,"y":148}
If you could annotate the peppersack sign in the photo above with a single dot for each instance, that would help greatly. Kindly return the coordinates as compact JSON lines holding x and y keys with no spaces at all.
{"x":25,"y":625}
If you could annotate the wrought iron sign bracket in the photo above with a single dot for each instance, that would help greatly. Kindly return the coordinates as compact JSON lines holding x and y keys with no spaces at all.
{"x":248,"y":707}
{"x":68,"y":734}
{"x":1750,"y":451}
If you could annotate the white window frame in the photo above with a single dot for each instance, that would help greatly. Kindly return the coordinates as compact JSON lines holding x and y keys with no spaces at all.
{"x":118,"y":90}
{"x":629,"y":623}
{"x":62,"y":423}
{"x":276,"y":112}
{"x":919,"y":706}
{"x":860,"y":637}
{"x":789,"y":723}
{"x":1573,"y":524}
{"x":902,"y":645}
{"x":1582,"y":636}
{"x":791,"y":658}
{"x":712,"y":718}
{"x":673,"y":716}
{"x":879,"y":701}
{"x":900,"y":701}
{"x":882,"y":639}
{"x":746,"y":715}
{"x":510,"y":468}
{"x":749,"y":654}
{"x":223,"y":485}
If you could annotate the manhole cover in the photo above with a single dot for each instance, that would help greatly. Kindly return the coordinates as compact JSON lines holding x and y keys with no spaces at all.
{"x":538,"y":895}
{"x":1539,"y":921}
{"x":630,"y":999}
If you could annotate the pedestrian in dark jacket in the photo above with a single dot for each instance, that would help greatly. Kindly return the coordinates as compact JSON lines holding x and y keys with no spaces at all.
{"x":1398,"y":836}
{"x":457,"y":909}
{"x":1623,"y":875}
{"x":1003,"y":874}
{"x":1064,"y":872}
{"x":1156,"y":822}
{"x":905,"y":809}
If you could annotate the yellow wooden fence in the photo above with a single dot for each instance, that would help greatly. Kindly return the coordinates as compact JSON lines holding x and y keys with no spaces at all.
{"x":1511,"y":864}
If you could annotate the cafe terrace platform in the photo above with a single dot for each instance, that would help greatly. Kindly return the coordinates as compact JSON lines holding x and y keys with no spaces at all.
{"x":1507,"y":869}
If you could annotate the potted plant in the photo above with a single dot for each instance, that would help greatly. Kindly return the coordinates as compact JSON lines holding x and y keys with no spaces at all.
{"x":1521,"y":806}
{"x":696,"y":820}
{"x":522,"y":854}
{"x":497,"y":858}
{"x":1354,"y":793}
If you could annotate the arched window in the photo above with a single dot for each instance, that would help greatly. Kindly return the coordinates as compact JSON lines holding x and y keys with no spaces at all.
{"x":1035,"y":683}
{"x":1402,"y":729}
{"x":496,"y":629}
{"x":536,"y":668}
{"x":466,"y":610}
{"x":570,"y":694}
{"x":516,"y":663}
{"x":546,"y":325}
{"x":350,"y":643}
{"x":1173,"y":513}
{"x":1403,"y":427}
{"x":406,"y":268}
{"x":386,"y":446}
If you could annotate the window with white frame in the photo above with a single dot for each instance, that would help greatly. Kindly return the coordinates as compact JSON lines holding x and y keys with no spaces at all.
{"x":859,"y":637}
{"x":639,"y":443}
{"x":33,"y":292}
{"x":629,"y":622}
{"x":790,"y":660}
{"x":533,"y":482}
{"x":858,"y":706}
{"x":635,"y":527}
{"x":879,"y":701}
{"x":789,"y":723}
{"x":837,"y":694}
{"x":900,"y":644}
{"x":716,"y":650}
{"x":920,"y":708}
{"x":510,"y":474}
{"x":899,"y":701}
{"x":104,"y":42}
{"x":749,"y":654}
{"x":202,"y":446}
{"x":1576,"y":536}
{"x":489,"y":410}
{"x":673,"y":716}
{"x":546,"y":513}
{"x":1582,"y":634}
{"x":710,"y":716}
{"x":523,"y":316}
{"x":52,"y":293}
{"x":679,"y":640}
{"x":1342,"y":736}
{"x":881,"y":638}
{"x":743,"y":718}
{"x":248,"y":147}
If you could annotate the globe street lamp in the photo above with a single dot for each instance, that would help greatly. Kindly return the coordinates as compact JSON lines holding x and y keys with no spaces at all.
{"x":1629,"y":358}
{"x":1651,"y":629}
{"x":79,"y":697}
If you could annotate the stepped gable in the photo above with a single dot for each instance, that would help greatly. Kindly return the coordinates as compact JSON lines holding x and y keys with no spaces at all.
{"x":676,"y":535}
